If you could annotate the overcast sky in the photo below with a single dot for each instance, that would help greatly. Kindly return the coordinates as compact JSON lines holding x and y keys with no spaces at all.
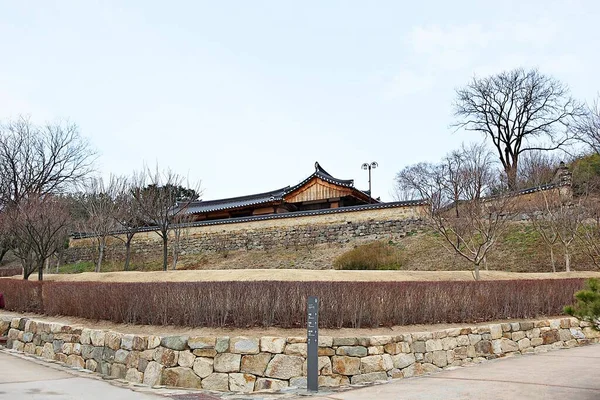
{"x":247,"y":95}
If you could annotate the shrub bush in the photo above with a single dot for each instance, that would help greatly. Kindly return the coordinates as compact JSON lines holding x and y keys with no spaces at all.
{"x":21,"y":295}
{"x":371,"y":256}
{"x":10,"y":271}
{"x":587,"y":306}
{"x":283,"y":304}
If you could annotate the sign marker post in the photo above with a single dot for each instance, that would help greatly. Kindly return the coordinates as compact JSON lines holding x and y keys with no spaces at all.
{"x":312,"y":339}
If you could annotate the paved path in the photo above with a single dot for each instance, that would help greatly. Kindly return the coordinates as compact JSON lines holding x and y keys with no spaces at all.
{"x":563,"y":374}
{"x":24,"y":379}
{"x":572,"y":374}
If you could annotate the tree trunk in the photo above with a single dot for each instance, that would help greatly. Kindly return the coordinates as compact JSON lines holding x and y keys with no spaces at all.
{"x":176,"y":241}
{"x":100,"y":256}
{"x":47,"y":264}
{"x":175,"y":257}
{"x":3,"y":253}
{"x":485,"y":264}
{"x":165,"y":251}
{"x":511,"y":176}
{"x":552,"y":260}
{"x":40,"y":269}
{"x":59,"y":259}
{"x":28,"y":269}
{"x":477,"y":277}
{"x":567,"y":260}
{"x":127,"y":254}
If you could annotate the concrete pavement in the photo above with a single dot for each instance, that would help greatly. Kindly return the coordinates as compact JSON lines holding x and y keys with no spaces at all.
{"x":24,"y":379}
{"x":562,"y":374}
{"x":572,"y":374}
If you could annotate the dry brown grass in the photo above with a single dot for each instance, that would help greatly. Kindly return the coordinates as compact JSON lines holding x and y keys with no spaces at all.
{"x":305,"y":275}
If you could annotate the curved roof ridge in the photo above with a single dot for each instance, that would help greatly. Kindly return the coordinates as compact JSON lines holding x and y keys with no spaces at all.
{"x":326,"y":176}
{"x":277,"y":193}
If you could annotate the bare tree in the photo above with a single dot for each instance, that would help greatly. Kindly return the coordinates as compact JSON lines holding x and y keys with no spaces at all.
{"x":478,"y":170}
{"x":101,"y":204}
{"x":476,"y":231}
{"x":7,"y":240}
{"x":39,"y":225}
{"x":545,"y":226}
{"x":519,"y":111}
{"x":470,"y":223}
{"x":587,"y":127}
{"x":40,"y":159}
{"x":128,"y":218}
{"x":36,"y":162}
{"x":589,"y":234}
{"x":568,"y":219}
{"x":420,"y":181}
{"x":179,"y":232}
{"x":559,"y":220}
{"x":537,"y":168}
{"x":161,"y":199}
{"x":453,"y":177}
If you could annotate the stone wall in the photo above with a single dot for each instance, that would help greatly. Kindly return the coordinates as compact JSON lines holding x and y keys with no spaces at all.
{"x":245,"y":364}
{"x":263,"y":234}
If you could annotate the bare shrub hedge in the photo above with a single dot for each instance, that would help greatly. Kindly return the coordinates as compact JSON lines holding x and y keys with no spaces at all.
{"x":10,"y":271}
{"x":282,"y":304}
{"x":22,"y":296}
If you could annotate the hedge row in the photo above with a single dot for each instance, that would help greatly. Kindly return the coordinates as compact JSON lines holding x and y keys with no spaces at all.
{"x":282,"y":304}
{"x":10,"y":271}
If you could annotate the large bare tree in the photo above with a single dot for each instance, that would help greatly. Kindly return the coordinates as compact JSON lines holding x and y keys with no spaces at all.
{"x":37,"y":162}
{"x":162,"y":199}
{"x":40,"y":159}
{"x":518,"y":111}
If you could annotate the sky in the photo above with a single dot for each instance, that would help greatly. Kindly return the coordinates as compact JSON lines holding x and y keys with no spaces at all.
{"x":245,"y":96}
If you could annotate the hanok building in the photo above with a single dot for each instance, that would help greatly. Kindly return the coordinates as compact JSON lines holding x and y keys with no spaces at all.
{"x":319,"y":191}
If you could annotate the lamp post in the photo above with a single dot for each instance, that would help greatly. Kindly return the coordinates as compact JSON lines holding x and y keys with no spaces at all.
{"x":369,"y":167}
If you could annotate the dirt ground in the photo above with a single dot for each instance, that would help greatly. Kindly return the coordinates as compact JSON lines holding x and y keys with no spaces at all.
{"x":305,"y":275}
{"x":248,"y":332}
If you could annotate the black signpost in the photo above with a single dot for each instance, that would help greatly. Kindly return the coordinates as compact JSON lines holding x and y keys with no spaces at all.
{"x":312,"y":339}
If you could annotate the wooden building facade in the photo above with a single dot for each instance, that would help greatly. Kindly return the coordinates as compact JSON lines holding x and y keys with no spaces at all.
{"x":318,"y":191}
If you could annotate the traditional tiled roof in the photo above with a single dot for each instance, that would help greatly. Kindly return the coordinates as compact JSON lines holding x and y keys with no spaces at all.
{"x":199,"y":207}
{"x":293,"y":214}
{"x":324,"y":175}
{"x":538,"y":188}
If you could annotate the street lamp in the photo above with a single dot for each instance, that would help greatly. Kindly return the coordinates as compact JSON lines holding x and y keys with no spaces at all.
{"x":369,"y":167}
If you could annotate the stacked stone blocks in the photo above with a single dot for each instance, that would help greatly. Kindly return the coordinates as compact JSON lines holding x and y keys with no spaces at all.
{"x":248,"y":237}
{"x":247,"y":364}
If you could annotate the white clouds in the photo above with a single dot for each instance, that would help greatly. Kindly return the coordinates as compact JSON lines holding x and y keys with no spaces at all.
{"x":436,"y":54}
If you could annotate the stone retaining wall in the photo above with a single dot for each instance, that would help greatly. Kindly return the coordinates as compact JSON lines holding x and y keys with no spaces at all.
{"x":294,"y":233}
{"x":244,"y":364}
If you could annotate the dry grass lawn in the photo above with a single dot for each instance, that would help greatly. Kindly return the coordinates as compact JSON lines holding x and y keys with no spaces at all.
{"x":304,"y":275}
{"x":520,"y":249}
